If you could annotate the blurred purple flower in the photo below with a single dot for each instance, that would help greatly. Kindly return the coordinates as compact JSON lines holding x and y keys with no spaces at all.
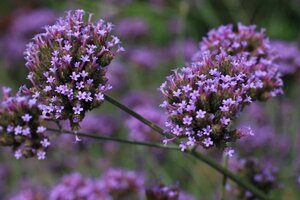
{"x":138,"y":98}
{"x":123,"y":184}
{"x":23,"y":27}
{"x":144,"y":57}
{"x":138,"y":130}
{"x":132,"y":28}
{"x":101,"y":124}
{"x":185,"y":49}
{"x":75,"y":186}
{"x":288,"y":56}
{"x":117,"y":75}
{"x":263,"y":174}
{"x":163,"y":192}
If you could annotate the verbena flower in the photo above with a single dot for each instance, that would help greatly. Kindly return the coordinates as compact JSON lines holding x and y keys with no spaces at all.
{"x":261,"y":174}
{"x":204,"y":98}
{"x":21,"y":126}
{"x":244,"y":42}
{"x":67,"y":66}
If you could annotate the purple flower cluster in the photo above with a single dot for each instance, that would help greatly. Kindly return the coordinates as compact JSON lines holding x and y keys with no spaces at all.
{"x":203,"y":99}
{"x":114,"y":184}
{"x":252,"y":47}
{"x":21,"y":126}
{"x":288,"y":56}
{"x":67,"y":66}
{"x":261,"y":174}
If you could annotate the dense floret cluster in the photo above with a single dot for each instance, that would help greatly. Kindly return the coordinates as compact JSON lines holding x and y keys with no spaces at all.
{"x":67,"y":66}
{"x":21,"y":126}
{"x":231,"y":70}
{"x":204,"y":98}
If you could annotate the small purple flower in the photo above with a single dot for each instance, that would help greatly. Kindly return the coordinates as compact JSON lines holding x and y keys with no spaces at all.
{"x":26,"y":117}
{"x":208,"y":142}
{"x":77,"y":110}
{"x":45,"y":143}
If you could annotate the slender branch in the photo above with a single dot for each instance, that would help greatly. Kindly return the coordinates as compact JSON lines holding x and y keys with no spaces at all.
{"x":243,"y":183}
{"x":223,"y":187}
{"x":136,"y":115}
{"x":119,"y":140}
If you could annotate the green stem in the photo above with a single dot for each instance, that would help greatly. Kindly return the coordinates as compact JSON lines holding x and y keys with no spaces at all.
{"x":113,"y":139}
{"x":243,"y":183}
{"x":223,"y":188}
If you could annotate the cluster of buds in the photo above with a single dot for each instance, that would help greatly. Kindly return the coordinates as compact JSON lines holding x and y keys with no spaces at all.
{"x":21,"y":126}
{"x":247,"y":44}
{"x":204,"y":98}
{"x":263,"y":176}
{"x":67,"y":66}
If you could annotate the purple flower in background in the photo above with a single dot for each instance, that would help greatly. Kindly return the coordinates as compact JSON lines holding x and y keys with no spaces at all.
{"x":288,"y":56}
{"x":185,"y":49}
{"x":117,"y":75}
{"x":138,"y":130}
{"x":74,"y":186}
{"x":138,"y":99}
{"x":23,"y":27}
{"x":82,"y":46}
{"x":122,"y":184}
{"x":144,"y":57}
{"x":29,"y":194}
{"x":263,"y":174}
{"x":132,"y":28}
{"x":102,"y":124}
{"x":252,"y":47}
{"x":170,"y":192}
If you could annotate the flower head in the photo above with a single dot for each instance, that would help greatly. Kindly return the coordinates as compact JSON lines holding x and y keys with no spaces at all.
{"x":198,"y":102}
{"x":67,"y":66}
{"x":20,"y":123}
